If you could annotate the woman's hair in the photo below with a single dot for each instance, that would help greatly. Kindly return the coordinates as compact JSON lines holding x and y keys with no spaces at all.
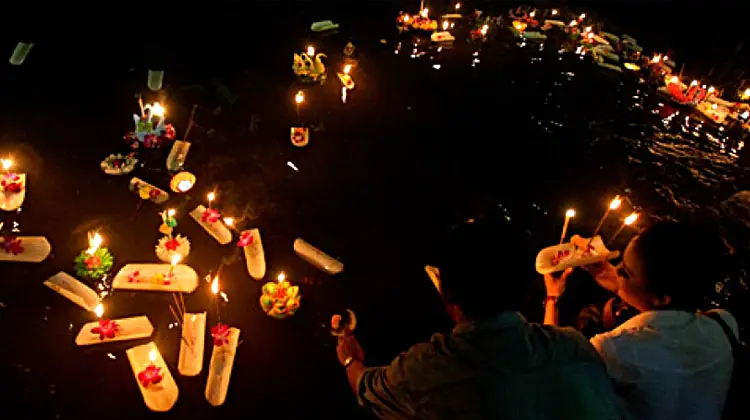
{"x":486,"y":267}
{"x":681,"y":260}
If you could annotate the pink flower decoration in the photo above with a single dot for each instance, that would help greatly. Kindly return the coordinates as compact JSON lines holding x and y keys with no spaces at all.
{"x":106,"y":329}
{"x":246,"y":238}
{"x":12,"y":183}
{"x":133,"y":277}
{"x":210,"y":216}
{"x":150,"y":376}
{"x":154,"y":193}
{"x":220,"y":333}
{"x":150,"y":141}
{"x":170,"y":132}
{"x":172,"y":244}
{"x":11,"y":245}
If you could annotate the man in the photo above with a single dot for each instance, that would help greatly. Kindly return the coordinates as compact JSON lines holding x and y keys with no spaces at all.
{"x":493,"y":364}
{"x":669,"y":361}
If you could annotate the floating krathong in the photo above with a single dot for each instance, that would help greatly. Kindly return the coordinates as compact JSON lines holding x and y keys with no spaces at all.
{"x":111,"y":330}
{"x":578,"y":252}
{"x":255,"y":258}
{"x":24,"y":248}
{"x":73,"y":290}
{"x":317,"y":257}
{"x":149,"y":133}
{"x":12,"y":190}
{"x":156,"y":383}
{"x":119,"y":164}
{"x":309,"y":67}
{"x":225,"y":340}
{"x":147,"y":191}
{"x":300,"y":136}
{"x":209,"y":219}
{"x":280,"y":300}
{"x":168,"y":246}
{"x":178,"y":154}
{"x":95,"y":262}
{"x":156,"y":278}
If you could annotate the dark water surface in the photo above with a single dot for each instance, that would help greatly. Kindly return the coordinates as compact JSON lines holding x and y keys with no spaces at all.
{"x":528,"y":131}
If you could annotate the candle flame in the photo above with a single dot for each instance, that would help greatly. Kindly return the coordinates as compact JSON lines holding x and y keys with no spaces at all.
{"x":171,"y":212}
{"x":484,"y":29}
{"x":615,"y":203}
{"x":310,"y":50}
{"x":300,"y":97}
{"x":424,"y":12}
{"x":747,"y":92}
{"x":694,"y":83}
{"x":674,"y":79}
{"x":99,"y":310}
{"x":631,"y":219}
{"x":570,"y":213}
{"x":656,"y":58}
{"x":94,"y":243}
{"x":229,"y":221}
{"x":152,"y":356}
{"x":591,"y":35}
{"x":666,"y":58}
{"x":157,"y":109}
{"x":281,"y":277}
{"x":573,"y":23}
{"x":445,"y":25}
{"x":554,"y":12}
{"x":347,"y":68}
{"x":532,"y":14}
{"x":176,"y":259}
{"x":7,"y":163}
{"x":587,"y":29}
{"x":211,"y":196}
{"x":406,"y":18}
{"x":583,"y":16}
{"x":711,"y":89}
{"x":184,"y":186}
{"x":458,"y":6}
{"x":215,"y":285}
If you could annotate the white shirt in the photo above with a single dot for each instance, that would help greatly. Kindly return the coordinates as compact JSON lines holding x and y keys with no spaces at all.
{"x":670,"y":364}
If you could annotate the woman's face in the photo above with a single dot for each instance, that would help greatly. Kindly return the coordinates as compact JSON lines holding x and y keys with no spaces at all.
{"x":631,"y":283}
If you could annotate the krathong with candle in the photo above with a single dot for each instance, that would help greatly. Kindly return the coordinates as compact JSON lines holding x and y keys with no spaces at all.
{"x":12,"y":187}
{"x":168,"y":246}
{"x":182,"y":182}
{"x":111,"y":330}
{"x":157,"y":277}
{"x":156,"y":383}
{"x":119,"y":164}
{"x":299,"y":98}
{"x":578,"y":252}
{"x":309,"y":67}
{"x":341,"y":327}
{"x":613,"y":205}
{"x":346,"y":78}
{"x":420,"y":22}
{"x":210,"y":219}
{"x":280,"y":299}
{"x":95,"y":262}
{"x":151,"y":127}
{"x":627,"y":222}
{"x":225,"y":340}
{"x":300,"y":136}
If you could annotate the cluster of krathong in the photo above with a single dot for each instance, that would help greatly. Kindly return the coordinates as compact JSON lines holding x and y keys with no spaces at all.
{"x":150,"y":132}
{"x":280,"y":300}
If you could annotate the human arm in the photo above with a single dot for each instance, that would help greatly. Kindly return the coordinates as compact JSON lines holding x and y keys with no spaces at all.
{"x":555,"y":287}
{"x":604,"y":274}
{"x":351,"y":355}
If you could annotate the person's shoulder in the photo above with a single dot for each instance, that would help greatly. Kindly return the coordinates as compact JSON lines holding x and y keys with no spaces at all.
{"x":727,"y":317}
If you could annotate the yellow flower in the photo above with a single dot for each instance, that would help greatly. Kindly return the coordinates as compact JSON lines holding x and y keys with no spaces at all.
{"x":144,"y":192}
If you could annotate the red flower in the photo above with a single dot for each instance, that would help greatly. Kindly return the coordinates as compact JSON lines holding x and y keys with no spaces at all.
{"x":106,"y":329}
{"x":133,"y":277}
{"x":92,"y":262}
{"x":220,"y":333}
{"x":117,"y":163}
{"x":150,"y":141}
{"x":150,"y":376}
{"x":172,"y":244}
{"x":12,"y":183}
{"x":210,"y":216}
{"x":170,"y":132}
{"x":246,"y":238}
{"x":11,"y":245}
{"x":154,"y":193}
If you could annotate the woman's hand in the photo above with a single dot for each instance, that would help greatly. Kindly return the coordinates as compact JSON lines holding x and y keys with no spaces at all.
{"x":605,"y":274}
{"x":556,"y":285}
{"x":349,"y":347}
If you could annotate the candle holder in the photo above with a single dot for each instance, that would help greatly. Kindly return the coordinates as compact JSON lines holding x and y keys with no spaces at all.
{"x":94,"y":266}
{"x":280,"y":300}
{"x":182,"y":182}
{"x":119,"y":164}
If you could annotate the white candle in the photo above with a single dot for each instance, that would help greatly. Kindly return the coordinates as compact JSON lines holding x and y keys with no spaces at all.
{"x":211,"y":196}
{"x":627,"y":222}
{"x":568,"y":215}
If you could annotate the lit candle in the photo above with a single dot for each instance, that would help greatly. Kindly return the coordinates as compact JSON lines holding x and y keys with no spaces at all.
{"x":184,"y":185}
{"x":99,"y":310}
{"x":229,"y":221}
{"x":532,"y":14}
{"x":140,"y":103}
{"x":215,"y":292}
{"x":554,"y":12}
{"x":694,"y":83}
{"x":406,"y":18}
{"x":281,"y":277}
{"x":158,"y":110}
{"x":7,"y":163}
{"x":587,"y":29}
{"x":484,"y":29}
{"x":583,"y":16}
{"x":568,"y":215}
{"x":613,"y":205}
{"x":211,"y":196}
{"x":424,"y":12}
{"x":458,"y":6}
{"x":628,"y":221}
{"x":310,"y":50}
{"x":298,"y":99}
{"x":674,"y":79}
{"x":343,"y":94}
{"x":94,"y":243}
{"x":175,"y":260}
{"x":445,"y":25}
{"x":347,"y":68}
{"x":152,"y":357}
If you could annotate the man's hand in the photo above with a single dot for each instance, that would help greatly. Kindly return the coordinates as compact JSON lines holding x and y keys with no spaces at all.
{"x":349,"y":347}
{"x":556,"y":285}
{"x":605,"y":274}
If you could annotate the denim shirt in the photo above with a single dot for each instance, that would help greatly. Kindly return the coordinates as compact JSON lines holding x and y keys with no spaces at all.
{"x":499,"y":368}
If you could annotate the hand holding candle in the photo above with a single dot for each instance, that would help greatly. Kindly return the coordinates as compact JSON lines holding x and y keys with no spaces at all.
{"x":568,"y":215}
{"x":627,"y":222}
